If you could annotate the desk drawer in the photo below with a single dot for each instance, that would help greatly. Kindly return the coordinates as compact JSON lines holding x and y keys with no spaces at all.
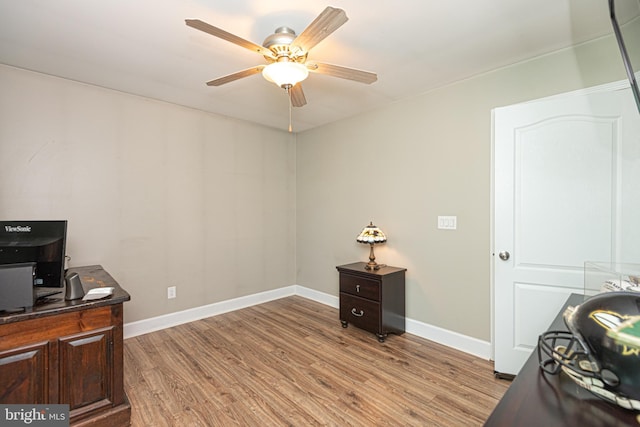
{"x":359,"y":286}
{"x":361,"y":312}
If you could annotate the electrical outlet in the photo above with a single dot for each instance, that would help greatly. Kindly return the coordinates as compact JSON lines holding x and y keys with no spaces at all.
{"x":171,"y":292}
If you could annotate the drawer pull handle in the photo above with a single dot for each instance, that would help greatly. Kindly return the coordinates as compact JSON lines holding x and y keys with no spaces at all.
{"x":355,"y":313}
{"x":358,"y":288}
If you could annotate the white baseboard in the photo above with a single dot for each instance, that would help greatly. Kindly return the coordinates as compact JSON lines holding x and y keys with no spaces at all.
{"x":451,"y":339}
{"x":152,"y":324}
{"x":318,"y":296}
{"x":455,"y":340}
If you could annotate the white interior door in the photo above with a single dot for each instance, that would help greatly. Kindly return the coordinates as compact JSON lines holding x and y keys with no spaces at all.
{"x":563,"y":170}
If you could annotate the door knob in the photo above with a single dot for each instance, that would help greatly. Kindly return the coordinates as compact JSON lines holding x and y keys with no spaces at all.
{"x":504,"y":255}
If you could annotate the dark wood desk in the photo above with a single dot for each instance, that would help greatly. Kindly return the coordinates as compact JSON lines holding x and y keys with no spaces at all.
{"x":538,"y":399}
{"x":68,"y":352}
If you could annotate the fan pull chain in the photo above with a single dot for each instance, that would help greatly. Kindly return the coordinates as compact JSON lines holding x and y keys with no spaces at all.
{"x":290,"y":108}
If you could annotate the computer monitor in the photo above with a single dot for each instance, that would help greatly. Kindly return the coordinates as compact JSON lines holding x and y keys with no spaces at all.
{"x":39,"y":242}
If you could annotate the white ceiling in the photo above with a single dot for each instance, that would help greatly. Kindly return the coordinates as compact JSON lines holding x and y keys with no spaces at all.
{"x":144,"y":47}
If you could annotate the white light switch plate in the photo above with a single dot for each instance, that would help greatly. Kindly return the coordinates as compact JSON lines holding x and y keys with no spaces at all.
{"x":447,"y":222}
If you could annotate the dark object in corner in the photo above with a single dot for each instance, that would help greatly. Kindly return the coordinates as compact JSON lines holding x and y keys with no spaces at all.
{"x":502,"y":376}
{"x":624,"y":33}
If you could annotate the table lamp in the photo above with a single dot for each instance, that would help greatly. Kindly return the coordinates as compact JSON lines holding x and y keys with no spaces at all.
{"x":372,"y":235}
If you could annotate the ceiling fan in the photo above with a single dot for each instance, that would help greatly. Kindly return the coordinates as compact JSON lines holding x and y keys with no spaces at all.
{"x":286,"y":55}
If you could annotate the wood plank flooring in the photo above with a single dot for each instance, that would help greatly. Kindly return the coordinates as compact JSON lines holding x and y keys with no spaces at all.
{"x":290,"y":363}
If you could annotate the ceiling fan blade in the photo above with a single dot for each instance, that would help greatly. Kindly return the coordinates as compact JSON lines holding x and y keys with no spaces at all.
{"x":326,"y":23}
{"x":220,"y":33}
{"x":297,"y":96}
{"x":236,"y":76}
{"x":342,"y":72}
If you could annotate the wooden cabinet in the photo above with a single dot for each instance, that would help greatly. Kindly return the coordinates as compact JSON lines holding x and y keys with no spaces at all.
{"x":373,"y":300}
{"x":68,"y":352}
{"x":23,"y":374}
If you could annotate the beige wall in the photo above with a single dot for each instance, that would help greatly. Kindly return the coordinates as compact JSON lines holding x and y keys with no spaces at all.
{"x":160,"y":195}
{"x":404,"y":165}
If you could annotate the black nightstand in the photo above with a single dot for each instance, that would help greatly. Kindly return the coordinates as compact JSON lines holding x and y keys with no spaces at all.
{"x":373,"y":300}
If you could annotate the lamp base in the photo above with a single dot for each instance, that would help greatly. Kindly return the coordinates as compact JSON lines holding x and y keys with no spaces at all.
{"x":374,"y":266}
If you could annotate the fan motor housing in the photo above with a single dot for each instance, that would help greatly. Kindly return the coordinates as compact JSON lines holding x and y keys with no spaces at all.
{"x":280,"y":44}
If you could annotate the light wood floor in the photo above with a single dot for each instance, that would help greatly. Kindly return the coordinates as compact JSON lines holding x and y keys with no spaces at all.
{"x":290,"y":363}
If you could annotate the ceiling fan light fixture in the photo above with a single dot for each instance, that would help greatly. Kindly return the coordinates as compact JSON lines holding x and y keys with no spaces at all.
{"x":285,"y":74}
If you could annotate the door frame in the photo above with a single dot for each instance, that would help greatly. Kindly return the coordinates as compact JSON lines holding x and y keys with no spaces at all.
{"x":618,"y":85}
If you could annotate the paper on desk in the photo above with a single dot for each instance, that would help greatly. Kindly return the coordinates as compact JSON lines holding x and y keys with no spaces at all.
{"x":98,"y":293}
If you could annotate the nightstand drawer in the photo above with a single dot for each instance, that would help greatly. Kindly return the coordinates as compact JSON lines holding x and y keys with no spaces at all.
{"x":359,"y":286}
{"x":361,"y":312}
